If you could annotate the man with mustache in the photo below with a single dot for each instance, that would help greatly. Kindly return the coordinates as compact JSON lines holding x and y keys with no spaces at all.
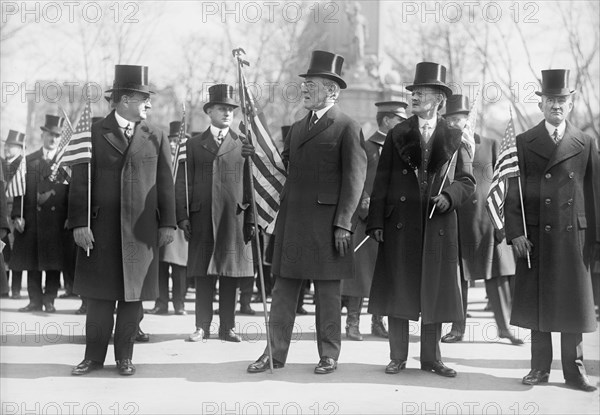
{"x":559,"y":167}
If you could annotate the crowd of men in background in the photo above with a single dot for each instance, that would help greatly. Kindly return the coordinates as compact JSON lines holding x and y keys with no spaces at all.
{"x":417,"y":187}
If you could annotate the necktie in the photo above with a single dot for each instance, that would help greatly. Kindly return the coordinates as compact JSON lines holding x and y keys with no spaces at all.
{"x":313,"y":120}
{"x":555,"y":136}
{"x":426,"y":132}
{"x":220,"y":138}
{"x":128,"y":131}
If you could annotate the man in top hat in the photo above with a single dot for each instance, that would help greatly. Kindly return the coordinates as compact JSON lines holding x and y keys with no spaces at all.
{"x":389,"y":113}
{"x":132,"y":215}
{"x":416,"y":273}
{"x":559,"y":167}
{"x":484,"y":252}
{"x":217,"y":221}
{"x":173,"y":256}
{"x":40,"y":232}
{"x":13,"y":151}
{"x":327,"y":163}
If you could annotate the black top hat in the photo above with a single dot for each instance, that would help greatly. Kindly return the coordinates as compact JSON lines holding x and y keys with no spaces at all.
{"x":174,"y":127}
{"x":432,"y":75}
{"x":555,"y":82}
{"x":131,"y":78}
{"x":96,"y":119}
{"x":220,"y":94}
{"x":393,"y":107}
{"x":457,"y":104}
{"x":285,"y":129}
{"x":53,"y":125}
{"x":15,"y":138}
{"x":327,"y":65}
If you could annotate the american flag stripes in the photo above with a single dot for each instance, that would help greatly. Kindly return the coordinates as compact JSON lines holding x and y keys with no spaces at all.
{"x":507,"y":166}
{"x":16,"y":186}
{"x":268,"y":169}
{"x":78,"y":149}
{"x":180,"y":152}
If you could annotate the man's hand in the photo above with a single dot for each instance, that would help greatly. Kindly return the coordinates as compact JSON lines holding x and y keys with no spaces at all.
{"x":186,"y":227}
{"x":19,"y":224}
{"x":522,"y":246}
{"x":343,"y":240}
{"x":248,"y":150}
{"x":165,"y":235}
{"x":249,"y":231}
{"x":365,"y":203}
{"x":377,"y":234}
{"x":84,"y":237}
{"x":442,"y":202}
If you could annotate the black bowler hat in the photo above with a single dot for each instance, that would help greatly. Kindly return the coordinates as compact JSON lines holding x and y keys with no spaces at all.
{"x":131,"y":78}
{"x":96,"y":119}
{"x":53,"y":125}
{"x":457,"y":104}
{"x":393,"y":107}
{"x":432,"y":75}
{"x":15,"y":138}
{"x":555,"y":82}
{"x":220,"y":94}
{"x":327,"y":65}
{"x":285,"y":129}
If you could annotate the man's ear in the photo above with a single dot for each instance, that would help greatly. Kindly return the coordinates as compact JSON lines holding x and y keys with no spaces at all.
{"x":540,"y":106}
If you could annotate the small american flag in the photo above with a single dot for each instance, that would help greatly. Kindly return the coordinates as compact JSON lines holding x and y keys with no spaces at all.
{"x":507,"y":166}
{"x":16,"y":186}
{"x":180,"y":152}
{"x":79,"y":148}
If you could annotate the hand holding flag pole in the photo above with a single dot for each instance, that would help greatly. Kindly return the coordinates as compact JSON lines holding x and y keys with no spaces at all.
{"x":237,"y":53}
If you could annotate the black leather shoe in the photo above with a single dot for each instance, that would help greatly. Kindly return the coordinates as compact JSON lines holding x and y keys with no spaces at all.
{"x":142,"y":337}
{"x":198,"y":335}
{"x":30,"y":307}
{"x":247,"y":310}
{"x":86,"y":367}
{"x":125,"y":367}
{"x":326,"y":365}
{"x":535,"y":377}
{"x":180,"y":312}
{"x":514,"y":340}
{"x":352,"y":333}
{"x":49,"y":308}
{"x":158,"y":311}
{"x":262,"y":364}
{"x":302,"y":311}
{"x":582,"y":383}
{"x":230,"y":336}
{"x":379,"y":330}
{"x":451,"y":338}
{"x":438,"y":368}
{"x":395,"y":366}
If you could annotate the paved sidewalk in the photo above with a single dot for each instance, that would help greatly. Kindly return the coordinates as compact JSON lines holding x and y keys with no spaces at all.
{"x":38,"y":350}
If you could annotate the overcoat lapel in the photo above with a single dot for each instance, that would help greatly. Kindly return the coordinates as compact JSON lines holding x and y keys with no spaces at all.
{"x":112,"y":133}
{"x":324,"y":122}
{"x":570,"y":145}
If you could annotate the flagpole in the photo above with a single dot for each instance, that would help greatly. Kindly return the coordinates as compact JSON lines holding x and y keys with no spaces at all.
{"x":237,"y":54}
{"x":443,"y":181}
{"x":361,"y":243}
{"x":523,"y":216}
{"x":89,"y":200}
{"x":185,"y":172}
{"x":23,"y":160}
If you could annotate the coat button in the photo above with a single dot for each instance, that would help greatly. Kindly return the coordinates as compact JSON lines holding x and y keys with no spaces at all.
{"x":403,"y":198}
{"x":474,"y":201}
{"x":547,"y":201}
{"x":569,"y":228}
{"x":39,"y":208}
{"x":548,"y":176}
{"x":570,"y":202}
{"x":441,"y":232}
{"x":399,"y":226}
{"x":404,"y":171}
{"x":571,"y":175}
{"x":547,"y":228}
{"x":53,"y":208}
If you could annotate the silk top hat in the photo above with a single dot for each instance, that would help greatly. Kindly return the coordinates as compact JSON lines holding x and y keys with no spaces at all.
{"x":285,"y":129}
{"x":53,"y":125}
{"x":432,"y":75}
{"x":96,"y":119}
{"x":457,"y":104}
{"x":392,"y":107}
{"x":555,"y":82}
{"x":327,"y":65}
{"x":220,"y":94}
{"x":131,"y":78}
{"x":174,"y":127}
{"x":15,"y":138}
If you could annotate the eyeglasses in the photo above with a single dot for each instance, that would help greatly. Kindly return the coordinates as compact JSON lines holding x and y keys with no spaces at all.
{"x":146,"y":100}
{"x":310,"y":85}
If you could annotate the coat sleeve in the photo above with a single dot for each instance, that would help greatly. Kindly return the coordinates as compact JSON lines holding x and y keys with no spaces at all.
{"x":180,"y":184}
{"x":380,"y":185}
{"x":513,"y":213}
{"x":164,"y":185}
{"x":463,"y":185}
{"x":247,"y":195}
{"x":592,"y":190}
{"x":3,"y":205}
{"x":354,"y":167}
{"x":78,"y":197}
{"x":363,"y":207}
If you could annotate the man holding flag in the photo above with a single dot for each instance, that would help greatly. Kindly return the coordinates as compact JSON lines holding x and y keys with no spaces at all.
{"x":555,"y":225}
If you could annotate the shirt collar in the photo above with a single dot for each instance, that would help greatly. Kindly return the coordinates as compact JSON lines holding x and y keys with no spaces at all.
{"x":123,"y":123}
{"x":432,"y":123}
{"x":215,"y":131}
{"x":322,"y":111}
{"x":48,"y":154}
{"x":561,"y":129}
